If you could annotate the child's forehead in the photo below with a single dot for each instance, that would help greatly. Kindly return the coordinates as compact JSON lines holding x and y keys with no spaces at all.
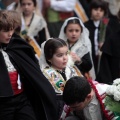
{"x":96,"y":8}
{"x":73,"y":24}
{"x":61,"y":49}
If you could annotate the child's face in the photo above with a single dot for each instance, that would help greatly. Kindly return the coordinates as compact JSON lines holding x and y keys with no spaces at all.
{"x":78,"y":106}
{"x":73,"y":32}
{"x":27,"y":7}
{"x":60,"y":58}
{"x":5,"y":36}
{"x":97,"y":14}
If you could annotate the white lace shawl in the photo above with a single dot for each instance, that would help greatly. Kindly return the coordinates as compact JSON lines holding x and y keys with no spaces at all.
{"x":37,"y":24}
{"x":83,"y":45}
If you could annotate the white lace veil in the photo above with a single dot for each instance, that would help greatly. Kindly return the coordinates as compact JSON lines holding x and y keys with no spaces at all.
{"x":42,"y":61}
{"x":83,"y":45}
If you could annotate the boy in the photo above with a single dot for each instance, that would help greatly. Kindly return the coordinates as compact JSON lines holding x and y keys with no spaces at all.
{"x":98,"y":9}
{"x":86,"y":97}
{"x":23,"y":93}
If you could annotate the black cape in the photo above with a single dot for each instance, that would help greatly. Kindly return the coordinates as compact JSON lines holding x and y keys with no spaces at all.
{"x":37,"y":87}
{"x":110,"y":59}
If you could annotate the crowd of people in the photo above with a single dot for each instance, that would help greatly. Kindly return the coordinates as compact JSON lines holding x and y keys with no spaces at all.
{"x":56,"y":62}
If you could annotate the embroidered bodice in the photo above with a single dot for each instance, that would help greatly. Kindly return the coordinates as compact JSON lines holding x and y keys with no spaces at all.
{"x":57,"y":80}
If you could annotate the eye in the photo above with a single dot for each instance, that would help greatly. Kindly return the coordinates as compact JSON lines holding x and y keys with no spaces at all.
{"x":59,"y":55}
{"x":77,"y":30}
{"x":29,"y":4}
{"x":70,"y":30}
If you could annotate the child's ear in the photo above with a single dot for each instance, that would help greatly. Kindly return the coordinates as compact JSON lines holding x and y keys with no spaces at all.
{"x":89,"y":96}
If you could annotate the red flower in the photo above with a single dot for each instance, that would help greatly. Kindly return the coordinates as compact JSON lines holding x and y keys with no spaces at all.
{"x":105,"y":21}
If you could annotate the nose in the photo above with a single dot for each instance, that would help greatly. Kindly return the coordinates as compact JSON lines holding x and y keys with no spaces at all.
{"x":74,"y":33}
{"x":65,"y":57}
{"x":98,"y":11}
{"x":26,"y":6}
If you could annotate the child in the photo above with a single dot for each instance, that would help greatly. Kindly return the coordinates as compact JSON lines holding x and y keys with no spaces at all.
{"x":76,"y":36}
{"x":81,"y":94}
{"x":98,"y":10}
{"x":33,"y":28}
{"x":56,"y":70}
{"x":22,"y":87}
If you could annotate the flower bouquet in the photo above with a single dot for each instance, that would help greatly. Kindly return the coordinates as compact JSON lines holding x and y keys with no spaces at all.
{"x":112,"y":100}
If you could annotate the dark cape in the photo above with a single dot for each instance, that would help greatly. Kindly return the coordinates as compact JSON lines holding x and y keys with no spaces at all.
{"x":110,"y":59}
{"x":38,"y":89}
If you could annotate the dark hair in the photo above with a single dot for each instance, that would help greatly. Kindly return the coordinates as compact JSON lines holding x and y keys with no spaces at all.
{"x":8,"y":20}
{"x":75,"y":21}
{"x":76,"y":90}
{"x":51,"y":46}
{"x":99,"y":4}
{"x":34,"y":2}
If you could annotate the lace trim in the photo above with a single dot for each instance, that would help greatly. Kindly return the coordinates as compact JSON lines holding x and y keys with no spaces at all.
{"x":9,"y":65}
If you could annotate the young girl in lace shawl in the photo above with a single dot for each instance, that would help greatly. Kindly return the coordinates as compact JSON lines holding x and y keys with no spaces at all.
{"x":33,"y":28}
{"x":76,"y":36}
{"x":54,"y":66}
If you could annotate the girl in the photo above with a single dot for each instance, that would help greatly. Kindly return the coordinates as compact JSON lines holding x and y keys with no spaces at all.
{"x":55,"y":67}
{"x":33,"y":25}
{"x":76,"y":36}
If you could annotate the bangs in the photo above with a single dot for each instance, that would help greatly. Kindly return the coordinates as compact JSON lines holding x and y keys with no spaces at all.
{"x":7,"y":22}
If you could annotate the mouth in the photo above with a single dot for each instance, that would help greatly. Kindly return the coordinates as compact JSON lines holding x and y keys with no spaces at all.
{"x":64,"y":63}
{"x":8,"y":39}
{"x":73,"y":37}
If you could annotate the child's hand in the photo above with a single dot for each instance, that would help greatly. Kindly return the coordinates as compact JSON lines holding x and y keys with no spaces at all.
{"x":62,"y":86}
{"x":75,"y":57}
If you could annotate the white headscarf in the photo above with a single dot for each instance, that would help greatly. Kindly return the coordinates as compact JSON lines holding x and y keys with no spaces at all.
{"x":83,"y":45}
{"x":42,"y":61}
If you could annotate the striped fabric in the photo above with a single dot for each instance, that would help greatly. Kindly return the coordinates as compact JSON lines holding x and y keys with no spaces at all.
{"x":109,"y":115}
{"x":80,"y":12}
